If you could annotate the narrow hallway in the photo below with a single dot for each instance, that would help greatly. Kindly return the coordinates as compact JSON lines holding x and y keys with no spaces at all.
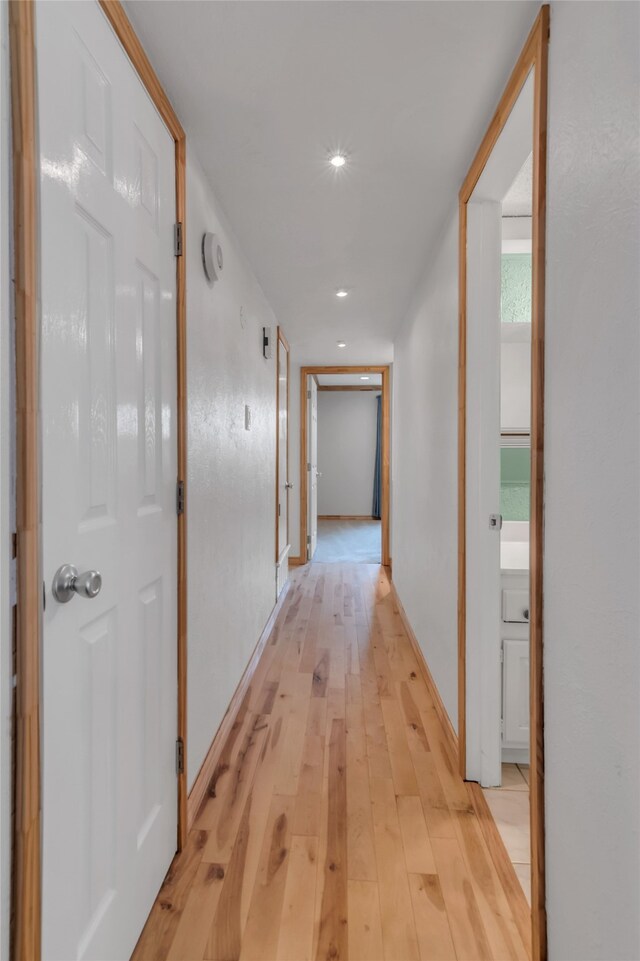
{"x":336,"y":825}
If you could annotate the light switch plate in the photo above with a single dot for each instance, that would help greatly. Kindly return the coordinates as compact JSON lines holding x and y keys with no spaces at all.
{"x":247,"y":417}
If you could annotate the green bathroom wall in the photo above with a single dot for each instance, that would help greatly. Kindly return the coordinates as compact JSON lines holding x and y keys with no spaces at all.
{"x":515,"y":467}
{"x":516,"y":289}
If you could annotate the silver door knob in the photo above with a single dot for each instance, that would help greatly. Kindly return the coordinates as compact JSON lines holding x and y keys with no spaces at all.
{"x":67,"y":582}
{"x":289,"y":485}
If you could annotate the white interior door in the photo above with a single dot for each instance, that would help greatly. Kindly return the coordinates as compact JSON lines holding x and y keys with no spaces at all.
{"x":483,"y":493}
{"x":109,"y":478}
{"x":312,"y":466}
{"x":282,"y":527}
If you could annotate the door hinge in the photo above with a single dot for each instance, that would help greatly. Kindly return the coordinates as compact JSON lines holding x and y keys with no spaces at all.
{"x":177,"y":240}
{"x":179,"y":756}
{"x":308,"y":538}
{"x":180,"y":497}
{"x":13,"y":582}
{"x":308,"y":395}
{"x":308,"y":466}
{"x":502,"y":655}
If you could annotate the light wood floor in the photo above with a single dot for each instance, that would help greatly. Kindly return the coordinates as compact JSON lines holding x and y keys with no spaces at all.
{"x":336,"y":825}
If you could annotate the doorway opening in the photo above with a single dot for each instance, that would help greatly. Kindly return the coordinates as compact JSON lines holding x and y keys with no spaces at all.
{"x":502,"y":231}
{"x":344,"y":464}
{"x":507,"y":788}
{"x":346,"y":411}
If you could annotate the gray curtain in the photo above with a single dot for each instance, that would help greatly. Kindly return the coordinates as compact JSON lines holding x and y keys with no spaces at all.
{"x":377,"y":473}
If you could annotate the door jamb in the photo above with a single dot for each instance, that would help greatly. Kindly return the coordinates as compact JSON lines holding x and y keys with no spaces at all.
{"x":281,"y":339}
{"x":534,"y":56}
{"x":26,"y":855}
{"x":26,"y":860}
{"x":125,"y":33}
{"x":386,"y":450}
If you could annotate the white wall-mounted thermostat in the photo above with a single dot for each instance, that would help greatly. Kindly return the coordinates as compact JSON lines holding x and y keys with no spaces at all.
{"x":267,"y":347}
{"x":212,"y":260}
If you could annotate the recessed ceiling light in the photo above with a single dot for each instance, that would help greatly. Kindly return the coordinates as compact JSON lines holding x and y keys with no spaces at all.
{"x":364,"y":377}
{"x":341,"y":343}
{"x":338,"y":160}
{"x":342,"y":292}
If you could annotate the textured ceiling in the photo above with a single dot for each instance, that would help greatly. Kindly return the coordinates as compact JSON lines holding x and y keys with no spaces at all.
{"x":266,"y":90}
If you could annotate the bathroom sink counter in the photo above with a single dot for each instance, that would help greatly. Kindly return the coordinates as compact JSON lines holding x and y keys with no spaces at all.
{"x":514,"y":546}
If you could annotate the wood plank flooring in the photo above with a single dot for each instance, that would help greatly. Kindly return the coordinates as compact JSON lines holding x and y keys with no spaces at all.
{"x":336,"y":826}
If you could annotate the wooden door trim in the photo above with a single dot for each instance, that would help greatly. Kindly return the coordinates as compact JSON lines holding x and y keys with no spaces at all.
{"x":534,"y":56}
{"x":348,"y":387}
{"x":26,"y":875}
{"x":281,"y":339}
{"x":27,"y":867}
{"x":386,"y":449}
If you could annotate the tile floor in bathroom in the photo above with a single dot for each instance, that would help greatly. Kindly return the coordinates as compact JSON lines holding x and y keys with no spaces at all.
{"x":509,"y":805}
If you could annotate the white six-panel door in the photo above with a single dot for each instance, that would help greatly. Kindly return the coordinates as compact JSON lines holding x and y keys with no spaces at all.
{"x":313,"y":466}
{"x":109,"y":477}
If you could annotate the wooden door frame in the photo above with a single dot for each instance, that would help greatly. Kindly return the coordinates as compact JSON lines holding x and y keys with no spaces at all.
{"x":385,"y":454}
{"x":534,"y":56}
{"x":281,"y":339}
{"x":26,"y":857}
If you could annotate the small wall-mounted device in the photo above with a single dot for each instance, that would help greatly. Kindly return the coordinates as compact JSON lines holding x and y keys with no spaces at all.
{"x":267,"y":346}
{"x":212,"y":259}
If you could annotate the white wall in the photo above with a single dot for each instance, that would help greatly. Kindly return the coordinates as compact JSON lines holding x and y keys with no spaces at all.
{"x":515,"y":377}
{"x":515,"y":349}
{"x":231,"y":479}
{"x":424,"y":466}
{"x":347,"y":428}
{"x":592,"y":500}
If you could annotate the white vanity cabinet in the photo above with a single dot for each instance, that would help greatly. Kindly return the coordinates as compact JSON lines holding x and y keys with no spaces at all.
{"x":515,"y":665}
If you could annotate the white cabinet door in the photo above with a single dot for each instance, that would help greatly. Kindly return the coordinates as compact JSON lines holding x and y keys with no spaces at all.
{"x":109,"y":445}
{"x":515,"y":605}
{"x":515,"y":696}
{"x":313,"y":466}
